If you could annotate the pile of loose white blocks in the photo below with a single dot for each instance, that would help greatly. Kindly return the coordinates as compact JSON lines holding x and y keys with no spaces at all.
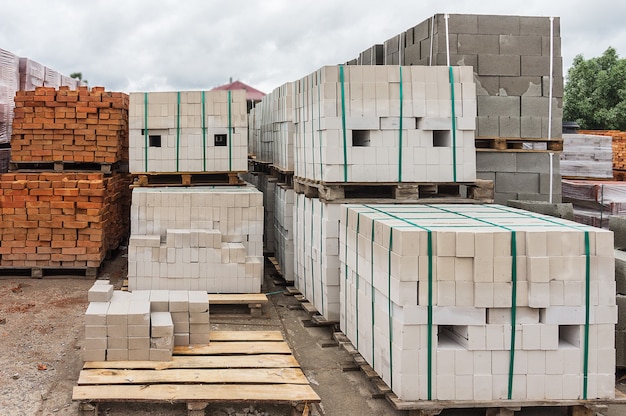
{"x":143,"y":325}
{"x":461,"y":262}
{"x":196,"y":238}
{"x":188,"y":131}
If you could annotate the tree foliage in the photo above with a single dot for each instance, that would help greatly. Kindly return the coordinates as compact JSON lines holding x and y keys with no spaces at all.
{"x":595,"y":92}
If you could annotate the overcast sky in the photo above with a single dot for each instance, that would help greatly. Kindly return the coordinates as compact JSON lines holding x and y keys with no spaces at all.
{"x":157,"y":45}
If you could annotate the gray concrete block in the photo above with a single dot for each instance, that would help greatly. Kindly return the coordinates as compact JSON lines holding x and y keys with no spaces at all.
{"x":533,"y":197}
{"x":157,"y":354}
{"x":557,"y":210}
{"x":617,"y":224}
{"x":195,"y":339}
{"x":537,"y":162}
{"x":557,"y":127}
{"x":139,"y":330}
{"x":96,"y":313}
{"x":117,"y":314}
{"x":139,"y":343}
{"x":139,"y":313}
{"x":496,"y":162}
{"x":198,"y":301}
{"x":392,"y":44}
{"x":544,"y":183}
{"x":520,"y":45}
{"x":463,"y":23}
{"x":421,"y":31}
{"x":159,"y":301}
{"x":539,"y":65}
{"x":181,"y":339}
{"x":556,"y":46}
{"x":531,"y":25}
{"x":117,"y":355}
{"x":498,"y":25}
{"x":117,"y":343}
{"x":557,"y":86}
{"x":161,"y":324}
{"x":181,"y":327}
{"x":620,"y":272}
{"x":487,"y":85}
{"x":94,"y":355}
{"x":487,"y":127}
{"x":502,"y":197}
{"x":521,"y":86}
{"x":139,"y":355}
{"x":96,"y":343}
{"x":100,"y":293}
{"x":620,"y":349}
{"x":199,"y":328}
{"x":95,"y":331}
{"x":478,"y":44}
{"x":117,"y":331}
{"x":531,"y":127}
{"x":179,"y":301}
{"x":412,"y":54}
{"x":199,"y":318}
{"x":509,"y":126}
{"x":517,"y":182}
{"x":535,"y":106}
{"x":498,"y":106}
{"x":464,"y":60}
{"x":425,"y":51}
{"x":162,"y":342}
{"x":621,"y":312}
{"x":408,"y":37}
{"x":502,"y":65}
{"x":488,"y":176}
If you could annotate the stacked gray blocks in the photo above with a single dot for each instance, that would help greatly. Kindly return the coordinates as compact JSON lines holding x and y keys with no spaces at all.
{"x":143,"y":325}
{"x":511,"y":60}
{"x":617,"y":224}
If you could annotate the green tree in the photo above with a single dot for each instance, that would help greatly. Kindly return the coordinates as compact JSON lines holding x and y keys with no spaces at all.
{"x":78,"y":76}
{"x":595,"y":92}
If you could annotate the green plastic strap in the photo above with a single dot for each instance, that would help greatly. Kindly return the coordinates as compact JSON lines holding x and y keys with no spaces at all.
{"x":203,"y":132}
{"x":302,"y":88}
{"x":513,"y":310}
{"x":304,"y":239}
{"x":322,"y":250}
{"x":400,"y":131}
{"x":390,"y":309}
{"x":453,"y":125}
{"x":310,"y":91}
{"x":343,"y":124}
{"x":356,"y":255}
{"x":178,"y":131}
{"x":145,"y":129}
{"x":311,"y":252}
{"x":587,"y":310}
{"x":230,"y":129}
{"x":319,"y":120}
{"x":372,"y":292}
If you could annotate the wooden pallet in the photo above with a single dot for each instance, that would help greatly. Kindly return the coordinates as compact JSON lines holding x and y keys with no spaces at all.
{"x":235,"y":367}
{"x":492,"y":407}
{"x":516,"y":144}
{"x":187,"y":179}
{"x":64,"y":166}
{"x":315,"y":317}
{"x":280,"y":280}
{"x":399,"y":192}
{"x":252,"y":301}
{"x":42,"y":272}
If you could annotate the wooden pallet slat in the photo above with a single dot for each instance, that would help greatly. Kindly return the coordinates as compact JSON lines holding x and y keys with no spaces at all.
{"x":234,"y":347}
{"x":219,"y":361}
{"x":516,"y":144}
{"x":152,"y":179}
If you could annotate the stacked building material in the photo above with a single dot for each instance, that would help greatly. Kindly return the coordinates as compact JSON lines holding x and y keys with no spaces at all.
{"x":32,"y":74}
{"x":587,"y":156}
{"x":618,"y":143}
{"x":196,"y":238}
{"x":267,"y":186}
{"x":385,"y":124}
{"x":284,"y":205}
{"x":143,"y":325}
{"x":453,"y":302}
{"x":70,"y":125}
{"x":189,"y":131}
{"x":55,"y":219}
{"x":595,"y":201}
{"x":9,"y":84}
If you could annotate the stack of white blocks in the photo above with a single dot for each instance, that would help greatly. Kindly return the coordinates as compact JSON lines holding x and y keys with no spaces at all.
{"x":178,"y":138}
{"x":272,"y":128}
{"x":284,"y":204}
{"x":385,"y":124}
{"x":316,"y":237}
{"x":143,"y":325}
{"x":385,"y":263}
{"x":196,"y":238}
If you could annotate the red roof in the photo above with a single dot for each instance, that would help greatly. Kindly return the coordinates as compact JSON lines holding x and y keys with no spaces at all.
{"x":251,"y":93}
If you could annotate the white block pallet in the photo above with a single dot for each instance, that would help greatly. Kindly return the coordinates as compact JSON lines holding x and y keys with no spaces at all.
{"x":196,"y":238}
{"x":427,"y":296}
{"x":385,"y":124}
{"x":188,"y":131}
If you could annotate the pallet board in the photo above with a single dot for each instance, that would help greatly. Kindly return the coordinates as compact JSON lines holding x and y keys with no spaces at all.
{"x":516,"y":144}
{"x":65,"y":166}
{"x":188,"y":179}
{"x":237,"y":366}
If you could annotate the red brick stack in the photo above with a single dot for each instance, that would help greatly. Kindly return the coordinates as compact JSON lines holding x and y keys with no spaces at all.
{"x":70,"y":125}
{"x":65,"y":218}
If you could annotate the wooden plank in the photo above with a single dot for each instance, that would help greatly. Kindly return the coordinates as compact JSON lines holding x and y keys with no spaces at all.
{"x":232,"y":375}
{"x":274,"y":393}
{"x":235,"y":298}
{"x":220,"y":361}
{"x":246,"y":336}
{"x":234,"y":347}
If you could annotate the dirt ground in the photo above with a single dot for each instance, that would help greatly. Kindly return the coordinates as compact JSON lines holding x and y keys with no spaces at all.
{"x":41,"y":336}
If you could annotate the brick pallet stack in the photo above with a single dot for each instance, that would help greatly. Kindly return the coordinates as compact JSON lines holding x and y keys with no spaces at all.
{"x":69,"y":218}
{"x":193,"y":237}
{"x":430,"y":292}
{"x":371,"y":125}
{"x":510,"y":56}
